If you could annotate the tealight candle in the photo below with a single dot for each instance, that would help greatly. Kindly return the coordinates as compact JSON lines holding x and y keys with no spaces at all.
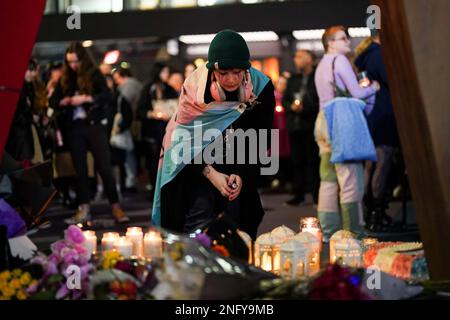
{"x":136,"y":236}
{"x":152,"y":245}
{"x":108,"y":240}
{"x":124,"y":247}
{"x":90,"y":242}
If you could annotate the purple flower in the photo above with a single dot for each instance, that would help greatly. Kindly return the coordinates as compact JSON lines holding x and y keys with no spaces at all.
{"x":85,"y":271}
{"x":52,"y":269}
{"x":62,"y":292}
{"x":58,"y":246}
{"x":203,"y":239}
{"x":70,"y":256}
{"x":74,"y":235}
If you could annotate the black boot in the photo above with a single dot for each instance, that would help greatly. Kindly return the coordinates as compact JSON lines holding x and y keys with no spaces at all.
{"x":379,"y":220}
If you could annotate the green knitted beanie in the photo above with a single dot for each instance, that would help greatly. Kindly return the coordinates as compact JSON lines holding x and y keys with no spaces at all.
{"x":229,"y":50}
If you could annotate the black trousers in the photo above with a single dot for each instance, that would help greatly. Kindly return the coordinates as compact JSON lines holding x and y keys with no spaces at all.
{"x":81,"y":138}
{"x":306,"y":162}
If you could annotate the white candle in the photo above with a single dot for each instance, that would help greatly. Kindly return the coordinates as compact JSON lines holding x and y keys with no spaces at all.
{"x":136,"y":236}
{"x":152,"y":245}
{"x":124,"y":247}
{"x":108,"y":240}
{"x":90,"y":242}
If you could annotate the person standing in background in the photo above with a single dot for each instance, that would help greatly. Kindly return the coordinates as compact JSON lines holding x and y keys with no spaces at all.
{"x":302,"y":106}
{"x":154,"y":123}
{"x":130,"y":89}
{"x":83,"y":98}
{"x":279,"y":122}
{"x":383,"y":129}
{"x":342,"y":184}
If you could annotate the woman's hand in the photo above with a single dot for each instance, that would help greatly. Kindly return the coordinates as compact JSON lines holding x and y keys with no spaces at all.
{"x":65,"y":101}
{"x":157,"y":115}
{"x":219,"y":180}
{"x":235,"y":182}
{"x":80,"y":99}
{"x":376,"y":85}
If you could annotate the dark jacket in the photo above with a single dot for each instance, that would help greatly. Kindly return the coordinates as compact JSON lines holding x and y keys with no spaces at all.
{"x":251,"y":211}
{"x":152,"y":128}
{"x":301,"y":121}
{"x":97,"y":112}
{"x":125,"y":110}
{"x":381,"y":120}
{"x":20,"y":139}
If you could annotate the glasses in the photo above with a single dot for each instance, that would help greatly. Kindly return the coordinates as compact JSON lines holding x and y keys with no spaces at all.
{"x":342,"y":38}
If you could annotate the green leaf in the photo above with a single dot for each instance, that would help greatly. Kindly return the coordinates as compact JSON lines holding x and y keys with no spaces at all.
{"x":55,"y":279}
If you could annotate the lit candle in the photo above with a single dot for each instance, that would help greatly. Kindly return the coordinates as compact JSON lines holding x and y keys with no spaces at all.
{"x":90,"y":242}
{"x":136,"y":236}
{"x":312,"y":225}
{"x":124,"y":247}
{"x":152,"y":245}
{"x":108,"y":240}
{"x":266,"y":262}
{"x":276,"y":260}
{"x":301,"y":269}
{"x":315,"y":263}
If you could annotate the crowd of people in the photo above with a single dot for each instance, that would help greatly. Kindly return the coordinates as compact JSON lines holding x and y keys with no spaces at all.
{"x":103,"y":130}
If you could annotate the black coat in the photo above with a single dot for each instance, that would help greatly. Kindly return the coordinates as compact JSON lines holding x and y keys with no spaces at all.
{"x":175,"y":194}
{"x":97,"y":112}
{"x":381,"y":120}
{"x":125,"y":110}
{"x":20,"y":139}
{"x":304,"y":120}
{"x":152,"y":128}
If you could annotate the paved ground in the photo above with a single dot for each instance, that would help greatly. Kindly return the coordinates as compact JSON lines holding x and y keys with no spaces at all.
{"x":138,"y":208}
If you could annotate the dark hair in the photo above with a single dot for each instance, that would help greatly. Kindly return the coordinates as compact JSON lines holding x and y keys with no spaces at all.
{"x":123,"y":72}
{"x":157,"y":68}
{"x":311,"y":54}
{"x":82,"y":77}
{"x":33,"y":64}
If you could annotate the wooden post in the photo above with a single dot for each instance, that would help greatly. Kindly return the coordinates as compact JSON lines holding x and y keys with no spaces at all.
{"x":416,"y":51}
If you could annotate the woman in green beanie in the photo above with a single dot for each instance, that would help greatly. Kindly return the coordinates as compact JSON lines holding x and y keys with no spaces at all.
{"x":224,"y":94}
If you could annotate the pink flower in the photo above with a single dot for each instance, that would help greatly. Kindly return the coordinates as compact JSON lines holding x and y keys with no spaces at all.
{"x":74,"y":235}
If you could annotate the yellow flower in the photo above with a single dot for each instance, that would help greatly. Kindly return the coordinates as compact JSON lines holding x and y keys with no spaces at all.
{"x":25,"y":279}
{"x":17,"y":273}
{"x":21,"y":295}
{"x":8,"y":292}
{"x":5,"y":275}
{"x":110,"y":258}
{"x":15,"y":283}
{"x":3,"y":298}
